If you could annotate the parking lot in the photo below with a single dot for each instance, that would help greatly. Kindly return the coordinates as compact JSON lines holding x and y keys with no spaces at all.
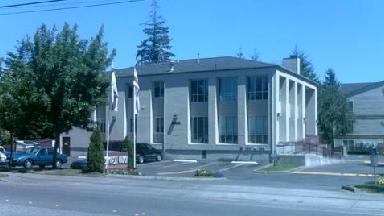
{"x":188,"y":168}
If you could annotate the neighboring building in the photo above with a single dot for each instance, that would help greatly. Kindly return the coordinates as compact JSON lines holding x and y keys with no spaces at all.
{"x":366,"y":100}
{"x":212,"y":108}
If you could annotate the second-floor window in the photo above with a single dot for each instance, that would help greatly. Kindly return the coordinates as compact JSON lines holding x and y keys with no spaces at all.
{"x":227,"y":89}
{"x":257,"y":88}
{"x":158,"y":89}
{"x":199,"y":91}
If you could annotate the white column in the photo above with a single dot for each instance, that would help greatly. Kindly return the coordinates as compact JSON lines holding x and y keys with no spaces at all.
{"x":242,"y":110}
{"x":276,"y":110}
{"x":315,"y":95}
{"x":287,"y":109}
{"x":295,"y":112}
{"x":303,"y":109}
{"x":212,"y":112}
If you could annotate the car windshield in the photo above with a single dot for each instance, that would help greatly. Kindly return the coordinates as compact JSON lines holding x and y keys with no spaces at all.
{"x":33,"y":150}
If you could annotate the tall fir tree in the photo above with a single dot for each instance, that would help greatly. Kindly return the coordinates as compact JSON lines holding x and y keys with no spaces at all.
{"x":156,"y":48}
{"x":334,"y":118}
{"x":306,"y":65}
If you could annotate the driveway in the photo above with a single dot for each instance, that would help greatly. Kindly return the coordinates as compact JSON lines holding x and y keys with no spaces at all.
{"x":188,"y":168}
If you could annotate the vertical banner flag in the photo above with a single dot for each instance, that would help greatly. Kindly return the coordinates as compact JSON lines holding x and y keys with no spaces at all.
{"x":136,"y":89}
{"x":114,"y":95}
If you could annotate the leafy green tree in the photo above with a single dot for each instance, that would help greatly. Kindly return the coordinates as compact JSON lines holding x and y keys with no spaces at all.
{"x":306,"y":65}
{"x":95,"y":156}
{"x":53,"y":82}
{"x":128,"y":147}
{"x":156,"y":48}
{"x":334,"y":118}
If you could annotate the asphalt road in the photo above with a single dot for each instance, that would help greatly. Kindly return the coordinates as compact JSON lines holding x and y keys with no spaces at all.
{"x":34,"y":194}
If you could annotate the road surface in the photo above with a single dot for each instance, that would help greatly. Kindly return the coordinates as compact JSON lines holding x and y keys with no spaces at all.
{"x":35,"y":194}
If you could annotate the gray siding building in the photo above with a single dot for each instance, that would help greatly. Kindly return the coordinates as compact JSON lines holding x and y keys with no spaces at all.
{"x":366,"y":100}
{"x":212,"y":108}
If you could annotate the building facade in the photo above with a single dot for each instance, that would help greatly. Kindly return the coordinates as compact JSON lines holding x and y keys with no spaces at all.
{"x":366,"y":101}
{"x":212,"y":108}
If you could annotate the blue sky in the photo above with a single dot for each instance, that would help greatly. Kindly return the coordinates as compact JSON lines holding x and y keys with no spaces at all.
{"x":346,"y":35}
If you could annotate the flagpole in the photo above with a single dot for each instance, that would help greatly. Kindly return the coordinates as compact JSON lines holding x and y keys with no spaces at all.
{"x":134,"y":125}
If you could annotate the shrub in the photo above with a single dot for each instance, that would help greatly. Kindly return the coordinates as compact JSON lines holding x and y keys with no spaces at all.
{"x":128,"y":147}
{"x":203,"y":173}
{"x":380,"y":181}
{"x":95,"y":158}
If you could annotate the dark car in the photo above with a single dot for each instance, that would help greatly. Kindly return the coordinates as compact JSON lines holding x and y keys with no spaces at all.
{"x":146,"y":152}
{"x":79,"y":164}
{"x":38,"y":156}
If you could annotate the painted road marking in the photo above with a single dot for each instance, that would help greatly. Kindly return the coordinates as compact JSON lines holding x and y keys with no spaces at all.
{"x":336,"y":174}
{"x":186,"y":161}
{"x":186,"y":171}
{"x":244,"y":162}
{"x":228,"y":168}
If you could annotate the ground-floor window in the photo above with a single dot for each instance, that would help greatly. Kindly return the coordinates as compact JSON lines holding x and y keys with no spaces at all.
{"x":158,"y":135}
{"x":199,"y":129}
{"x":228,"y":129}
{"x":257,"y":129}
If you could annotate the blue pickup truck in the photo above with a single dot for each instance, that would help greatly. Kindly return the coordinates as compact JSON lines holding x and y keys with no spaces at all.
{"x":38,"y":156}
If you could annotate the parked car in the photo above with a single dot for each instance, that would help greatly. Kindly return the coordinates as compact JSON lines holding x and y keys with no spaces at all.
{"x":146,"y":152}
{"x":38,"y":156}
{"x":3,"y":157}
{"x":79,"y":164}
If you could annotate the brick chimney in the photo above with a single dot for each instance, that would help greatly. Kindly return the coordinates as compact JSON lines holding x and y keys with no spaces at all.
{"x":292,"y":63}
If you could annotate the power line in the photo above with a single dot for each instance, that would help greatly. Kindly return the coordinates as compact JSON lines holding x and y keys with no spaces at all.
{"x":63,"y":8}
{"x":30,"y":3}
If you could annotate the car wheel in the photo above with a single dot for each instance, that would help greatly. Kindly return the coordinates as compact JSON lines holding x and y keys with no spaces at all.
{"x":58,"y":164}
{"x":158,"y":158}
{"x":141,"y":159}
{"x":42,"y":166}
{"x":28,"y":164}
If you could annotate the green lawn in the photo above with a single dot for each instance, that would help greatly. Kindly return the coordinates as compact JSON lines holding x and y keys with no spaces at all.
{"x":279,"y":168}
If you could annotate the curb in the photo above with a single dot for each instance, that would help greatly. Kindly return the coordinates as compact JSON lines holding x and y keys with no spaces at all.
{"x":283,"y":171}
{"x":167,"y":178}
{"x":349,"y":188}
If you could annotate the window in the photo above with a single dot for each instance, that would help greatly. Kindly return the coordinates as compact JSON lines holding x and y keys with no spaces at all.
{"x":159,"y":125}
{"x":131,"y":125}
{"x":199,"y":129}
{"x":199,"y":91}
{"x":228,"y":129}
{"x":257,"y":88}
{"x":130,"y":91}
{"x":258,"y":129}
{"x":227,"y":89}
{"x":350,"y":106}
{"x":158,"y":135}
{"x":158,"y":89}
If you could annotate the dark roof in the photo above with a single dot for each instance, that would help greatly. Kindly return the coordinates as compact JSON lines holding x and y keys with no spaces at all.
{"x":351,"y":89}
{"x":202,"y":65}
{"x":194,"y":65}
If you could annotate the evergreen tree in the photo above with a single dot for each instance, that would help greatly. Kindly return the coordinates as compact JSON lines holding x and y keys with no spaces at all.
{"x":156,"y":48}
{"x":306,"y":65}
{"x":95,"y":156}
{"x":128,"y":147}
{"x":334,"y":118}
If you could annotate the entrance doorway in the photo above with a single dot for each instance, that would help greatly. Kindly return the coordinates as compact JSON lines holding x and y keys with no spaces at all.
{"x":67,"y":146}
